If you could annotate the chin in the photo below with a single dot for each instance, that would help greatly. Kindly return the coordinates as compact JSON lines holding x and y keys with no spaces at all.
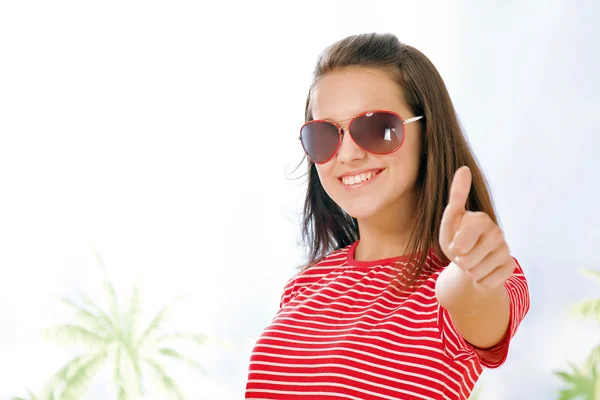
{"x":360,"y":211}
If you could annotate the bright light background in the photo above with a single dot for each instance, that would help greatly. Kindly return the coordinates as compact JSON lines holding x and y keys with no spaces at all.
{"x":163,"y":134}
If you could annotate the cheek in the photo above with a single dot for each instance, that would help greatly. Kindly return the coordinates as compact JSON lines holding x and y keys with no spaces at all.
{"x":404,"y":169}
{"x":408,"y":156}
{"x":324,"y":171}
{"x":325,"y":176}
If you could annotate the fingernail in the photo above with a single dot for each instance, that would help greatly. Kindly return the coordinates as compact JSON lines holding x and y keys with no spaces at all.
{"x":457,"y":260}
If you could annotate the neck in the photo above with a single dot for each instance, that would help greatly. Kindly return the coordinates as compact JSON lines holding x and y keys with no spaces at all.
{"x":387,"y":233}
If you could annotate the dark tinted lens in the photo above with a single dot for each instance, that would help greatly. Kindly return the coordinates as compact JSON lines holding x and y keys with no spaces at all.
{"x":320,"y":140}
{"x":378,"y":132}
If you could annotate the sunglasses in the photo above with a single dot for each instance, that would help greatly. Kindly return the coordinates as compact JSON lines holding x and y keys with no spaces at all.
{"x":378,"y":132}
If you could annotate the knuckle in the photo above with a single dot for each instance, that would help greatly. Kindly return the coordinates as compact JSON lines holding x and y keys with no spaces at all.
{"x":465,"y":263}
{"x":472,"y":274}
{"x":496,"y":234}
{"x":481,"y":217}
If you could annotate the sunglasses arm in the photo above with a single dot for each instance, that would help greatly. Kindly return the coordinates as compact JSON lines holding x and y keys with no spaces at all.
{"x":413,"y":119}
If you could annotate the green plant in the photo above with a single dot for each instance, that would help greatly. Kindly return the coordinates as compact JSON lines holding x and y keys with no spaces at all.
{"x":583,"y":382}
{"x":111,"y":336}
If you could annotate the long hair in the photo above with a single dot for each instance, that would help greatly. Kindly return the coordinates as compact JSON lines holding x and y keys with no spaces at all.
{"x":325,"y":226}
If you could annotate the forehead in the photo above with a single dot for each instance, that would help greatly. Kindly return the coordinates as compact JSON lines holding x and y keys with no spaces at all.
{"x":343,"y":93}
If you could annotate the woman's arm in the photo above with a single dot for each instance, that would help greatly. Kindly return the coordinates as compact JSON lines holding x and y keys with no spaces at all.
{"x":473,"y":288}
{"x":480,"y":316}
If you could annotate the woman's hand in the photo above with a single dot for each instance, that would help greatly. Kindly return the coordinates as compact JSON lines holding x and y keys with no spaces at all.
{"x":472,"y":241}
{"x":471,"y":288}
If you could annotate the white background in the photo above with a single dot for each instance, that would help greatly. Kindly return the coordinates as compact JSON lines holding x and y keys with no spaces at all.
{"x":164,"y":135}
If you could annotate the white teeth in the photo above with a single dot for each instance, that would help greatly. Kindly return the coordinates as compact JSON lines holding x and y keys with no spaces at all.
{"x":353,"y":180}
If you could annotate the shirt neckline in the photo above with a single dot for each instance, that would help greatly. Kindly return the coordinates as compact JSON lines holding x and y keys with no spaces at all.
{"x":351,"y":261}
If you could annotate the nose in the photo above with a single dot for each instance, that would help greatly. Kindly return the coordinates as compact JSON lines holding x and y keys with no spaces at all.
{"x":349,"y":151}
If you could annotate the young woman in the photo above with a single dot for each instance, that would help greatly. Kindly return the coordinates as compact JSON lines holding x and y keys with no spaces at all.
{"x":410,"y":289}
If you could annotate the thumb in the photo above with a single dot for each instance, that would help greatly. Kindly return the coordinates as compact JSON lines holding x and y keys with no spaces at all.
{"x":456,"y":208}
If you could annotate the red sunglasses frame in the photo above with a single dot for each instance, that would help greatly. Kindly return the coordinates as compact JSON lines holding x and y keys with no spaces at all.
{"x":349,"y":127}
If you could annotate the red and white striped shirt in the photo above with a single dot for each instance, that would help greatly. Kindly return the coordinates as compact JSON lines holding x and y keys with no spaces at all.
{"x":340,"y":333}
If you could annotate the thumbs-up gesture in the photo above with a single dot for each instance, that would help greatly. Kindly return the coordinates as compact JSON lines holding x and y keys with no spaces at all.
{"x":473,"y":243}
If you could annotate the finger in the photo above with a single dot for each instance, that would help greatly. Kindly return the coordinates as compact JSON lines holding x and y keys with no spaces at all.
{"x":473,"y":227}
{"x":489,"y":264}
{"x":451,"y":218}
{"x":461,"y":186}
{"x":451,"y":221}
{"x":492,"y":240}
{"x":497,"y":277}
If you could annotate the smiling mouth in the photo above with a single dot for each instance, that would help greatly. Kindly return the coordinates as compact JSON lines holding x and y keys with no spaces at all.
{"x":359,"y":178}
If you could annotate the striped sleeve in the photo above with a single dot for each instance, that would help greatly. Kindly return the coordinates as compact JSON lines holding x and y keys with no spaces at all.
{"x":456,"y":346}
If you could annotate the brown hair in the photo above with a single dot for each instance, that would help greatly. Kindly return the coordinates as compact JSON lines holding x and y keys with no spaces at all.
{"x":325,"y":225}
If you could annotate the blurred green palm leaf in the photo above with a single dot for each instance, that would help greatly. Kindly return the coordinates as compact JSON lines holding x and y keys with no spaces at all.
{"x":111,"y":336}
{"x":590,"y":307}
{"x":583,"y":382}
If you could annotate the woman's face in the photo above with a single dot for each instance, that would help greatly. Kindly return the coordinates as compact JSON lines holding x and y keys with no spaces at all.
{"x":337,"y":97}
